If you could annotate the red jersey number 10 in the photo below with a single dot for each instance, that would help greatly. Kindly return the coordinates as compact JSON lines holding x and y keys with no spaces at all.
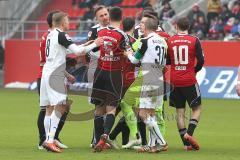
{"x":180,"y":55}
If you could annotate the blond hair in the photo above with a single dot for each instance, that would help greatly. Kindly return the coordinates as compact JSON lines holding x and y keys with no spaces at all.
{"x":58,"y":18}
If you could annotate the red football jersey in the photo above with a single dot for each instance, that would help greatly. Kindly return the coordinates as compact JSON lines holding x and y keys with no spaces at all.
{"x":128,"y":68}
{"x":162,"y":33}
{"x":111,"y":52}
{"x":183,"y":50}
{"x":42,"y":53}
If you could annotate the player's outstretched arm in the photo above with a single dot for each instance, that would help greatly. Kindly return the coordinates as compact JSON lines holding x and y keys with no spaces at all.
{"x":70,"y":77}
{"x":132,"y":58}
{"x":81,"y":49}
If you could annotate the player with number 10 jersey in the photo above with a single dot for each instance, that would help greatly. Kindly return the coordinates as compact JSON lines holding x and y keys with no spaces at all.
{"x":183,"y":49}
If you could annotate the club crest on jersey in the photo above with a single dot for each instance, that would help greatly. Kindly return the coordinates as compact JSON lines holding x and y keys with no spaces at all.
{"x":90,"y":34}
{"x":68,"y":37}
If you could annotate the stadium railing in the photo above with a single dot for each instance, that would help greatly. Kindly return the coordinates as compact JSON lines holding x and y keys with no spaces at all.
{"x":16,"y":12}
{"x":34,"y":29}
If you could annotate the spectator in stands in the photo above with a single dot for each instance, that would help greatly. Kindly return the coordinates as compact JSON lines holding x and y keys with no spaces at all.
{"x":232,"y":3}
{"x":236,"y":27}
{"x":167,"y":12}
{"x":199,"y":27}
{"x":236,"y":10}
{"x":214,"y":9}
{"x":229,"y":25}
{"x":88,"y":18}
{"x":225,"y":14}
{"x":84,"y":3}
{"x":89,"y":14}
{"x":220,"y":27}
{"x":110,"y":2}
{"x":195,"y":13}
{"x":1,"y":55}
{"x":213,"y":33}
{"x":74,"y":12}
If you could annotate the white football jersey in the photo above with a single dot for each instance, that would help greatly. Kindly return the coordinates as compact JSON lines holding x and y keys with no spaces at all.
{"x":153,"y":49}
{"x":56,"y":50}
{"x":152,"y":54}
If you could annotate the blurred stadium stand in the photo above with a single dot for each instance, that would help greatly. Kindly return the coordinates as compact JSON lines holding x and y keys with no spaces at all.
{"x":27,"y":20}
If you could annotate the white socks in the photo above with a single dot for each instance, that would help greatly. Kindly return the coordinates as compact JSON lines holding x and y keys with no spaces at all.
{"x":53,"y":124}
{"x":152,"y":139}
{"x":154,"y":131}
{"x":46,"y":124}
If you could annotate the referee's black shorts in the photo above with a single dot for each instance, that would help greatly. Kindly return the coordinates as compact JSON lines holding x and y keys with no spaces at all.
{"x":180,"y":95}
{"x":107,"y":88}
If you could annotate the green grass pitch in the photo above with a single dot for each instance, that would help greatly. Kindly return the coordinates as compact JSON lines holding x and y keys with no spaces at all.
{"x":218,"y":132}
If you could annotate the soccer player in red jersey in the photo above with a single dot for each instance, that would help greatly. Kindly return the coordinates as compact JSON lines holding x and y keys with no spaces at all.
{"x":41,"y":115}
{"x":108,"y":83}
{"x":102,"y":16}
{"x":128,"y":123}
{"x":183,"y":51}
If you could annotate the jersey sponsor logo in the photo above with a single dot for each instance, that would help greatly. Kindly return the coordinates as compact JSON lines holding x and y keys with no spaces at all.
{"x":218,"y":82}
{"x":110,"y":58}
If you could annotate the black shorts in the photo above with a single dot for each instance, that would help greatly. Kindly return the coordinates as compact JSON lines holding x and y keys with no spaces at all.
{"x":38,"y":85}
{"x":179,"y":96}
{"x":107,"y":88}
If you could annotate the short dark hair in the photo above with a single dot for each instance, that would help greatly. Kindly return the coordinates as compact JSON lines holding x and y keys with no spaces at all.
{"x":98,"y":8}
{"x":115,"y":13}
{"x":149,"y":12}
{"x":150,"y":16}
{"x":183,"y":23}
{"x":128,"y":23}
{"x":148,"y":8}
{"x":50,"y":17}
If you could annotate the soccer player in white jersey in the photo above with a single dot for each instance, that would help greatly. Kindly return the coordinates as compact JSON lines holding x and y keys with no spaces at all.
{"x":152,"y":54}
{"x":53,"y":91}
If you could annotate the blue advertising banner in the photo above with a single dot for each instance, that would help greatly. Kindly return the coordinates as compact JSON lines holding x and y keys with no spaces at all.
{"x":218,"y":82}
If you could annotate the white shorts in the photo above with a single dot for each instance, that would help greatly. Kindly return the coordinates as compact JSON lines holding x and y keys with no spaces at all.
{"x":150,"y":100}
{"x":53,"y":91}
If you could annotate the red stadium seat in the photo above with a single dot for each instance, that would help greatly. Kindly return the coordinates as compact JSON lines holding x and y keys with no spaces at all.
{"x":131,"y":12}
{"x":130,"y":3}
{"x":73,"y":13}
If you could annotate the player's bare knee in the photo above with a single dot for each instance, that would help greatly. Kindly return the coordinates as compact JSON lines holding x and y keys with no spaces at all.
{"x":197,"y":109}
{"x":111,"y":110}
{"x":142,"y":114}
{"x":99,"y":111}
{"x":49,"y":110}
